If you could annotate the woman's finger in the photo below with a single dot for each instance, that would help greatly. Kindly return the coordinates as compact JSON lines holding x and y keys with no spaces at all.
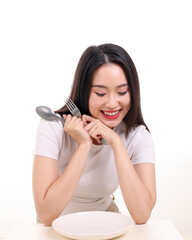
{"x":87,"y":118}
{"x":67,"y":118}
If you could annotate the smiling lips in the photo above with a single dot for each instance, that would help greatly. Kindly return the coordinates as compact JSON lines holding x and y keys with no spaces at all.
{"x":111,"y":114}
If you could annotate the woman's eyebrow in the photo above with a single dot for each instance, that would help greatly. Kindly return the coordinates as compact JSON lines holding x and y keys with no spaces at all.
{"x":98,"y":86}
{"x":122,"y":85}
{"x":102,"y":86}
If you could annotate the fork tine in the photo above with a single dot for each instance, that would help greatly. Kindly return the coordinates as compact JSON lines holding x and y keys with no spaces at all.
{"x":67,"y":103}
{"x":72,"y":103}
{"x":71,"y":106}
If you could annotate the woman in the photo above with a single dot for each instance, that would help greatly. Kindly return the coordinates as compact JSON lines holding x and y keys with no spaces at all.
{"x":73,"y":171}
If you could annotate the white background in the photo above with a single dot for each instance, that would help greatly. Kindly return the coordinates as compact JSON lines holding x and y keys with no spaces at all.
{"x":40,"y":45}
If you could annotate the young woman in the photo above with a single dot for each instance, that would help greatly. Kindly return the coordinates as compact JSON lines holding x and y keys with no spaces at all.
{"x":73,"y":171}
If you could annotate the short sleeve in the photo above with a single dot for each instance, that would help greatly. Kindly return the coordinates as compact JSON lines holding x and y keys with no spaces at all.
{"x":143,"y":147}
{"x":49,"y":139}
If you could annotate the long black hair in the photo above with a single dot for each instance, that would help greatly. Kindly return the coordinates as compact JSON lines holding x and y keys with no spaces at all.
{"x":94,"y":57}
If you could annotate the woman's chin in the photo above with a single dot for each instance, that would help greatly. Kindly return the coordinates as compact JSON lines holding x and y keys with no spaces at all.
{"x":110,"y":123}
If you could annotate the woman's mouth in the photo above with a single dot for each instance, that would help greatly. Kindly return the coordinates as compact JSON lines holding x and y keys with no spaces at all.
{"x":111,"y":114}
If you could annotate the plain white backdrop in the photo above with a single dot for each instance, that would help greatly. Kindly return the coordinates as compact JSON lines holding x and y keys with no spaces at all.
{"x":40,"y":45}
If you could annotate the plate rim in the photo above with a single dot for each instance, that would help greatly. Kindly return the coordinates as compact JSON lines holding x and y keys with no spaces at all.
{"x":96,"y":236}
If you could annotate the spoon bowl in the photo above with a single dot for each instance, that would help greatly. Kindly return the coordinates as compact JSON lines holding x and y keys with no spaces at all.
{"x":48,"y":114}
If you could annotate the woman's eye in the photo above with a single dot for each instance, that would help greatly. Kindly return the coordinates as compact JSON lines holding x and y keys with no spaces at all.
{"x":100,"y":94}
{"x":122,"y":93}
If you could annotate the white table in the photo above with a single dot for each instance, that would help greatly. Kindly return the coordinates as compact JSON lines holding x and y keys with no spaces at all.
{"x":154,"y":230}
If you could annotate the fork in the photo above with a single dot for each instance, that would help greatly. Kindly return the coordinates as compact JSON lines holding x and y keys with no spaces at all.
{"x":76,"y":112}
{"x":72,"y":107}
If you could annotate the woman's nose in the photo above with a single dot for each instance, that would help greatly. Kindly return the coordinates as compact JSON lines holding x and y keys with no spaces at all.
{"x":112,"y":101}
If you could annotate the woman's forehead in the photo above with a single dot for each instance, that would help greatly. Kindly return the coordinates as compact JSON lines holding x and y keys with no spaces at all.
{"x":109,"y":74}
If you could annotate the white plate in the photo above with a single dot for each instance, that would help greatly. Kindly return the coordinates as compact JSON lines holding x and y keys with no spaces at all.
{"x":95,"y":225}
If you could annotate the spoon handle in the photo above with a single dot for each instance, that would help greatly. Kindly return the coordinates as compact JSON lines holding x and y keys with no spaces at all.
{"x":61,"y":120}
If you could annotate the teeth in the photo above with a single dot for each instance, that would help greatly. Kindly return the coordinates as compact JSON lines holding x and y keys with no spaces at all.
{"x":111,"y":113}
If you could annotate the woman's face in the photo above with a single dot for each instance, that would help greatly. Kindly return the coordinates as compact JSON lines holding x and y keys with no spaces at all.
{"x":110,"y":97}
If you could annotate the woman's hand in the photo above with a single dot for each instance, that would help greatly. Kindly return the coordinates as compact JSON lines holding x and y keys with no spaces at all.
{"x":98,"y":130}
{"x":75,"y":128}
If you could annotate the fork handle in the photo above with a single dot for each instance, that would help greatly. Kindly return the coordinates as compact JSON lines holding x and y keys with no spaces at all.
{"x":103,"y":141}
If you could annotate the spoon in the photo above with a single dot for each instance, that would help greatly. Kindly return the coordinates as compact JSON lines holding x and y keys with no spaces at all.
{"x":48,"y":114}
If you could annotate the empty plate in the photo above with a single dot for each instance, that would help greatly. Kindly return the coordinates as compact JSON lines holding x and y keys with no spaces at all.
{"x":95,"y":225}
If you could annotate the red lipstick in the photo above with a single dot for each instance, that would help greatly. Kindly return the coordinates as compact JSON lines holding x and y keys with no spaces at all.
{"x":111,"y":115}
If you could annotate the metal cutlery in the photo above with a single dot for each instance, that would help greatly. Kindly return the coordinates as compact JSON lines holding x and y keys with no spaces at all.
{"x":72,"y":107}
{"x":76,"y":112}
{"x":48,"y":114}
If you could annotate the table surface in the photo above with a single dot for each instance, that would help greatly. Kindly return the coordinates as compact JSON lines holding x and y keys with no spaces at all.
{"x":154,"y":230}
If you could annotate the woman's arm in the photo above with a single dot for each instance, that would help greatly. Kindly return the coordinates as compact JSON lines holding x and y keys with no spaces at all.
{"x":51,"y":192}
{"x":137,"y":183}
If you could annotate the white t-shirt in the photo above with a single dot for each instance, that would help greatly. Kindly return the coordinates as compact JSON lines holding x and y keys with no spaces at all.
{"x":99,"y":179}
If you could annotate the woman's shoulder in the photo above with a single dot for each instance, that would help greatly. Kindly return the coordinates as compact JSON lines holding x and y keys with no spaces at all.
{"x":140,"y":134}
{"x":121,"y":128}
{"x":48,"y":124}
{"x":48,"y":128}
{"x":140,"y":130}
{"x":137,"y":133}
{"x":139,"y":145}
